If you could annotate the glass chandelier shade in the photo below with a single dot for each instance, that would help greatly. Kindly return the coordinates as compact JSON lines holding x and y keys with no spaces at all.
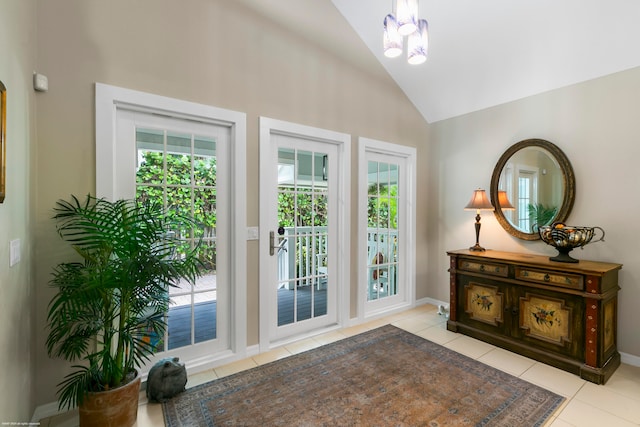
{"x":403,"y":21}
{"x":392,"y":39}
{"x":406,"y":13}
{"x":418,"y":44}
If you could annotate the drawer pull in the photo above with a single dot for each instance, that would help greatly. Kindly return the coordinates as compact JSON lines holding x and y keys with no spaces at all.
{"x":482,"y":267}
{"x":547,"y":277}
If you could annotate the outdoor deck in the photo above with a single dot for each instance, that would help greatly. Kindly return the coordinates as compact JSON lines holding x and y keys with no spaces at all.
{"x":205,"y":315}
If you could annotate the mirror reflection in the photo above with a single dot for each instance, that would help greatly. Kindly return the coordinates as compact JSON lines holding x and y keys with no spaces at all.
{"x":537,"y":180}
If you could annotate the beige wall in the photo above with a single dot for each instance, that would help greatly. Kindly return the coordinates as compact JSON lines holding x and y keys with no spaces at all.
{"x":214,"y":52}
{"x":217,"y":52}
{"x":17,"y":47}
{"x":596,"y":124}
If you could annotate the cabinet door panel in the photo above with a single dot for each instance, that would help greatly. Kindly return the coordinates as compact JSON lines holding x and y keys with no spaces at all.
{"x":481,"y":304}
{"x":551,"y":320}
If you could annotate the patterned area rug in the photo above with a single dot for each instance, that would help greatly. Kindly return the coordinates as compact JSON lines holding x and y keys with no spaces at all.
{"x":383,"y":377}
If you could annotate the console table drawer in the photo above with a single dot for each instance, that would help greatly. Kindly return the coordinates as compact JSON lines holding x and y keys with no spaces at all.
{"x":565,"y":280}
{"x":494,"y":269}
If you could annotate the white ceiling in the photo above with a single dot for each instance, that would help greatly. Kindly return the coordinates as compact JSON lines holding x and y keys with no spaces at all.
{"x":482,"y":53}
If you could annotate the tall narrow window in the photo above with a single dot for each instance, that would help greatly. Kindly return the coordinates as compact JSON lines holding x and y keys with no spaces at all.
{"x":386,"y":227}
{"x":527,"y":183}
{"x":382,"y":229}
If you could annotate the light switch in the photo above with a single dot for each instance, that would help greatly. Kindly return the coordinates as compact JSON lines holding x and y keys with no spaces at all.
{"x":252,"y":233}
{"x":14,"y":252}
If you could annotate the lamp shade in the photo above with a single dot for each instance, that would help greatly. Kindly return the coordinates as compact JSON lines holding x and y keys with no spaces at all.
{"x":392,"y":43}
{"x":479,"y":201}
{"x":406,"y":12}
{"x":418,"y":44}
{"x":503,"y":201}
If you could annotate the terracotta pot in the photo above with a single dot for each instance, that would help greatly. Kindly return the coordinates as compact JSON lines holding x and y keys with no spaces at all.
{"x":113,"y":408}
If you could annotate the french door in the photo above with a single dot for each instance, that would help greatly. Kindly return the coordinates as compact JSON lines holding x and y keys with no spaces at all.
{"x":191,"y":158}
{"x":183,"y":166}
{"x":302,"y":216}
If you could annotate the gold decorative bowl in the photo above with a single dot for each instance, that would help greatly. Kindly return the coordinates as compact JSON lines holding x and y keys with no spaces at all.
{"x":567,"y":237}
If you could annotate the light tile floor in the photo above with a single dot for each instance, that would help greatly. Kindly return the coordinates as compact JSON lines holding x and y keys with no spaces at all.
{"x":616,"y":404}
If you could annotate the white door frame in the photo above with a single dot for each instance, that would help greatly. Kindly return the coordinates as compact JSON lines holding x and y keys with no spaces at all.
{"x":109,"y":99}
{"x":267,"y":269}
{"x":407,"y":220}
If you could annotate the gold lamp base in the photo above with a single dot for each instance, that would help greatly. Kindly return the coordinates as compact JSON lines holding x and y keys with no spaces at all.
{"x":477,"y":248}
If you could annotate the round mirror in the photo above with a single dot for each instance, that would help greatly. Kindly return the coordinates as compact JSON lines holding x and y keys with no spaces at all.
{"x":532,"y":185}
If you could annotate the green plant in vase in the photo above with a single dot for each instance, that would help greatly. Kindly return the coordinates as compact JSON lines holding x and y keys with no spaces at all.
{"x":115,"y":296}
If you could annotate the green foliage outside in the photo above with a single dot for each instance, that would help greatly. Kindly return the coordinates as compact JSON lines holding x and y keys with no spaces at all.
{"x":181,"y":195}
{"x":382,"y":210}
{"x":305,"y":210}
{"x":295,"y":208}
{"x":302,"y":209}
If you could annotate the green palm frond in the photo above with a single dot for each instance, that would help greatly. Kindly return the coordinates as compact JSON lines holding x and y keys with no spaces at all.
{"x":107,"y":302}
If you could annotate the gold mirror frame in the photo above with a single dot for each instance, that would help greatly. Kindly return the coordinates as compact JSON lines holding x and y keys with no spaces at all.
{"x":569,"y":184}
{"x":3,"y":142}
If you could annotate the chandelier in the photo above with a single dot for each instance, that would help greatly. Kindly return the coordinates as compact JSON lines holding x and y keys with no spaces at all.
{"x":404,"y":22}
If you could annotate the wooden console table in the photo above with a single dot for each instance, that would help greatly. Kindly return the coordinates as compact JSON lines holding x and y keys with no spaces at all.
{"x":561,"y":314}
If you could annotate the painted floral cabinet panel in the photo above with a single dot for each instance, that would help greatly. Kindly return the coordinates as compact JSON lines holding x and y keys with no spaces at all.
{"x":562,"y":315}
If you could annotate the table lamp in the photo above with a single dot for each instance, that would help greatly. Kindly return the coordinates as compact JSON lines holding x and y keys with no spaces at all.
{"x":479,"y":201}
{"x":503,"y":201}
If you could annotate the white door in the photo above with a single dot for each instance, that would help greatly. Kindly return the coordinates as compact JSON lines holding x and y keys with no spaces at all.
{"x":302,"y":211}
{"x":193,"y":157}
{"x":184,"y":165}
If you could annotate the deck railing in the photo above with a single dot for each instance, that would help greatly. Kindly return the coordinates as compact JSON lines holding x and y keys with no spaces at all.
{"x":302,"y":258}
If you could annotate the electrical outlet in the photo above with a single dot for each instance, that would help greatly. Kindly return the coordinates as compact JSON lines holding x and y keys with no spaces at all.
{"x":14,"y":252}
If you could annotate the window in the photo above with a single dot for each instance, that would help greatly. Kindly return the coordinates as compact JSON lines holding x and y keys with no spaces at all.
{"x":386,"y":229}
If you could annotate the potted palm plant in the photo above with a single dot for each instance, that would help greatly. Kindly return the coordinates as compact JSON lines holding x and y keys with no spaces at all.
{"x":113,"y":299}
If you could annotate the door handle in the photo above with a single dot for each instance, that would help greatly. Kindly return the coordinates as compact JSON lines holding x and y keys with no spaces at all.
{"x":273,"y":245}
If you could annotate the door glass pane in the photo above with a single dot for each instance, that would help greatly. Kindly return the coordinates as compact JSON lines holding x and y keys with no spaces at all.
{"x":304,"y":171}
{"x":303,"y":269}
{"x":204,"y":315}
{"x":382,"y":230}
{"x":150,"y":158}
{"x":320,"y":214}
{"x":178,"y":171}
{"x":286,"y":303}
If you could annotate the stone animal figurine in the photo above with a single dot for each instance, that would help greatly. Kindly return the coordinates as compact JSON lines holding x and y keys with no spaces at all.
{"x":166,"y":379}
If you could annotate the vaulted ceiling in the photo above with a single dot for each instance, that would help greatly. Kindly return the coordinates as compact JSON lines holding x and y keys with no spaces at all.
{"x":482,"y":53}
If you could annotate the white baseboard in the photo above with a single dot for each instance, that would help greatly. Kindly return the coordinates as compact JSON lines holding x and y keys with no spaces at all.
{"x":432,"y":301}
{"x":630,"y":359}
{"x":45,"y":411}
